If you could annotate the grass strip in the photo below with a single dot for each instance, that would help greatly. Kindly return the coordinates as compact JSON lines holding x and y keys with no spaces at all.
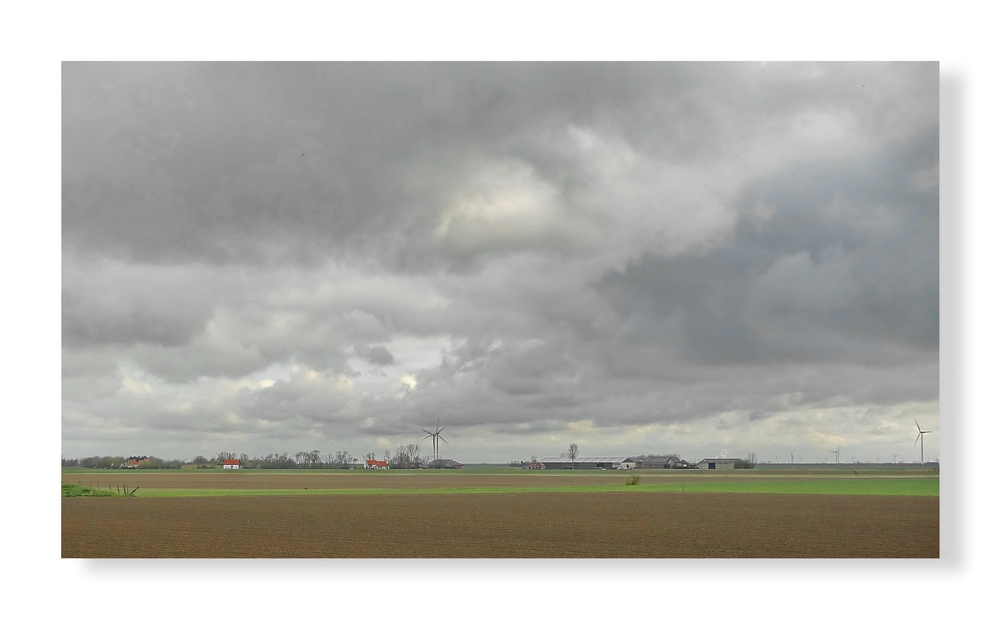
{"x":916,"y":487}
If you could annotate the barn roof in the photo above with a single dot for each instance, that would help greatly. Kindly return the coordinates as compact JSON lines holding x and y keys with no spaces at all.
{"x":588,"y":459}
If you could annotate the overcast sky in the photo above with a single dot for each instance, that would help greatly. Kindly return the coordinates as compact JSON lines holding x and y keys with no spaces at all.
{"x":702,"y":259}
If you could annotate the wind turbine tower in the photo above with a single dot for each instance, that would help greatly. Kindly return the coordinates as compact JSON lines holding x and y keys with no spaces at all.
{"x":920,"y":437}
{"x":435,"y":436}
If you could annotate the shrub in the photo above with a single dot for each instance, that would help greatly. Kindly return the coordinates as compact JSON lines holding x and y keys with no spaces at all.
{"x":633,"y":480}
{"x":75,"y":490}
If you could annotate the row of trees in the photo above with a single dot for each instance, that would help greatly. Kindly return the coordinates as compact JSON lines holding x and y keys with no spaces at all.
{"x":113,"y":462}
{"x":405,"y":457}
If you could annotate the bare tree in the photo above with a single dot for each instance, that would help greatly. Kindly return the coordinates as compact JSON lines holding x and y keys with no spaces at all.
{"x":342,"y":459}
{"x":573,"y":452}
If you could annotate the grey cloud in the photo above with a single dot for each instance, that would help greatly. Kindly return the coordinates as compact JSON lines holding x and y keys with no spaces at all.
{"x":116,"y":304}
{"x":160,"y":161}
{"x":378,"y":355}
{"x":839,"y":265}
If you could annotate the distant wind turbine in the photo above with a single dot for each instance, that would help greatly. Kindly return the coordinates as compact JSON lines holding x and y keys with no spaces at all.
{"x":920,"y":437}
{"x":435,"y":436}
{"x":836,"y":453}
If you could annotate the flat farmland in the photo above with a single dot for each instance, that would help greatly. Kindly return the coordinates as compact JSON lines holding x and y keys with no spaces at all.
{"x":481,"y":515}
{"x":397,"y":480}
{"x":545,"y":525}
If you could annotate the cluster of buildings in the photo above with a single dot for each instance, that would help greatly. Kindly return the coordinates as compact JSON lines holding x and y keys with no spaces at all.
{"x":653,"y":461}
{"x":667,"y":461}
{"x":133,"y":462}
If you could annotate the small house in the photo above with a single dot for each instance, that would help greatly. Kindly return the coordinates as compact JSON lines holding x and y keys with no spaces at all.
{"x":375,"y":464}
{"x":231,"y":464}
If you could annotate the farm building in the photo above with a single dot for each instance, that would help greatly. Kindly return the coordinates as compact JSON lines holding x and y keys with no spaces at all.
{"x":589,"y":462}
{"x":231,"y":464}
{"x":133,"y":462}
{"x":374,"y":464}
{"x":446,"y":464}
{"x":717,"y":463}
{"x":654,"y":461}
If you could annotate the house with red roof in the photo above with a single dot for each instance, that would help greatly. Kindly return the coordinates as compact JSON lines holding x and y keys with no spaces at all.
{"x":373,"y":464}
{"x":231,"y":464}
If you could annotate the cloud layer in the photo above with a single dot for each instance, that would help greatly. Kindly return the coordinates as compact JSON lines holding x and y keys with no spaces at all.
{"x":637,"y":257}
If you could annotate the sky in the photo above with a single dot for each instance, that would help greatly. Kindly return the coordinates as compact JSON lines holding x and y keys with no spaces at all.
{"x":707,"y":259}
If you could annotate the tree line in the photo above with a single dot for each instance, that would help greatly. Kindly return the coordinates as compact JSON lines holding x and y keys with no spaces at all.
{"x":405,"y":457}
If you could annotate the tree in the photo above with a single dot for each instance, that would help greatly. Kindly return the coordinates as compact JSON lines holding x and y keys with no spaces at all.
{"x":342,"y":459}
{"x":407,"y":456}
{"x":573,"y":452}
{"x":748,"y":463}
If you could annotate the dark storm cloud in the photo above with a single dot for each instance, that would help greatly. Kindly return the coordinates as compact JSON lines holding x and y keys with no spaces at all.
{"x":846,"y":259}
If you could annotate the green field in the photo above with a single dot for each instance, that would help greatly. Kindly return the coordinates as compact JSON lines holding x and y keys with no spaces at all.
{"x":797,"y":481}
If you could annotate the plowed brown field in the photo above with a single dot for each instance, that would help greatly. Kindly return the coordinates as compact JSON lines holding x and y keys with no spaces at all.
{"x":535,"y":525}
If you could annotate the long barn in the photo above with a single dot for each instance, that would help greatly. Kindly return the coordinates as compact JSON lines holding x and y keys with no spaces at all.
{"x":589,"y":462}
{"x":719,"y":463}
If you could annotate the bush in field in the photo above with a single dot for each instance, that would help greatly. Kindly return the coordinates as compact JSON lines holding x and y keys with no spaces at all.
{"x":75,"y":490}
{"x":633,"y":480}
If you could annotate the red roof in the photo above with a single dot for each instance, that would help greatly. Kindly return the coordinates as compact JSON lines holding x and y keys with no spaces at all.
{"x":231,"y":462}
{"x":378,"y":463}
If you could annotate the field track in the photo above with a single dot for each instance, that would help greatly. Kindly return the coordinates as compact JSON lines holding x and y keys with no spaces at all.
{"x":537,"y":525}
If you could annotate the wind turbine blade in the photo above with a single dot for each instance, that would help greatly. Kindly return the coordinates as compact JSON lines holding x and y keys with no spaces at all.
{"x":917,"y":423}
{"x":442,"y":439}
{"x":919,"y":435}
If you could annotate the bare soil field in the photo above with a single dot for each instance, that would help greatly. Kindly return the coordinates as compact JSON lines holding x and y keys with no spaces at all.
{"x":502,"y":525}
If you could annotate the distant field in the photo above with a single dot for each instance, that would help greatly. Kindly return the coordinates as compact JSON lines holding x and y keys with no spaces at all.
{"x":503,"y":513}
{"x":250,"y":482}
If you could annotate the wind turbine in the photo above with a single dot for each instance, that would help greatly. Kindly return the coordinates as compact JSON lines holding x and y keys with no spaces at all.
{"x":837,"y":453}
{"x":435,"y":436}
{"x":920,"y":437}
{"x":894,"y":455}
